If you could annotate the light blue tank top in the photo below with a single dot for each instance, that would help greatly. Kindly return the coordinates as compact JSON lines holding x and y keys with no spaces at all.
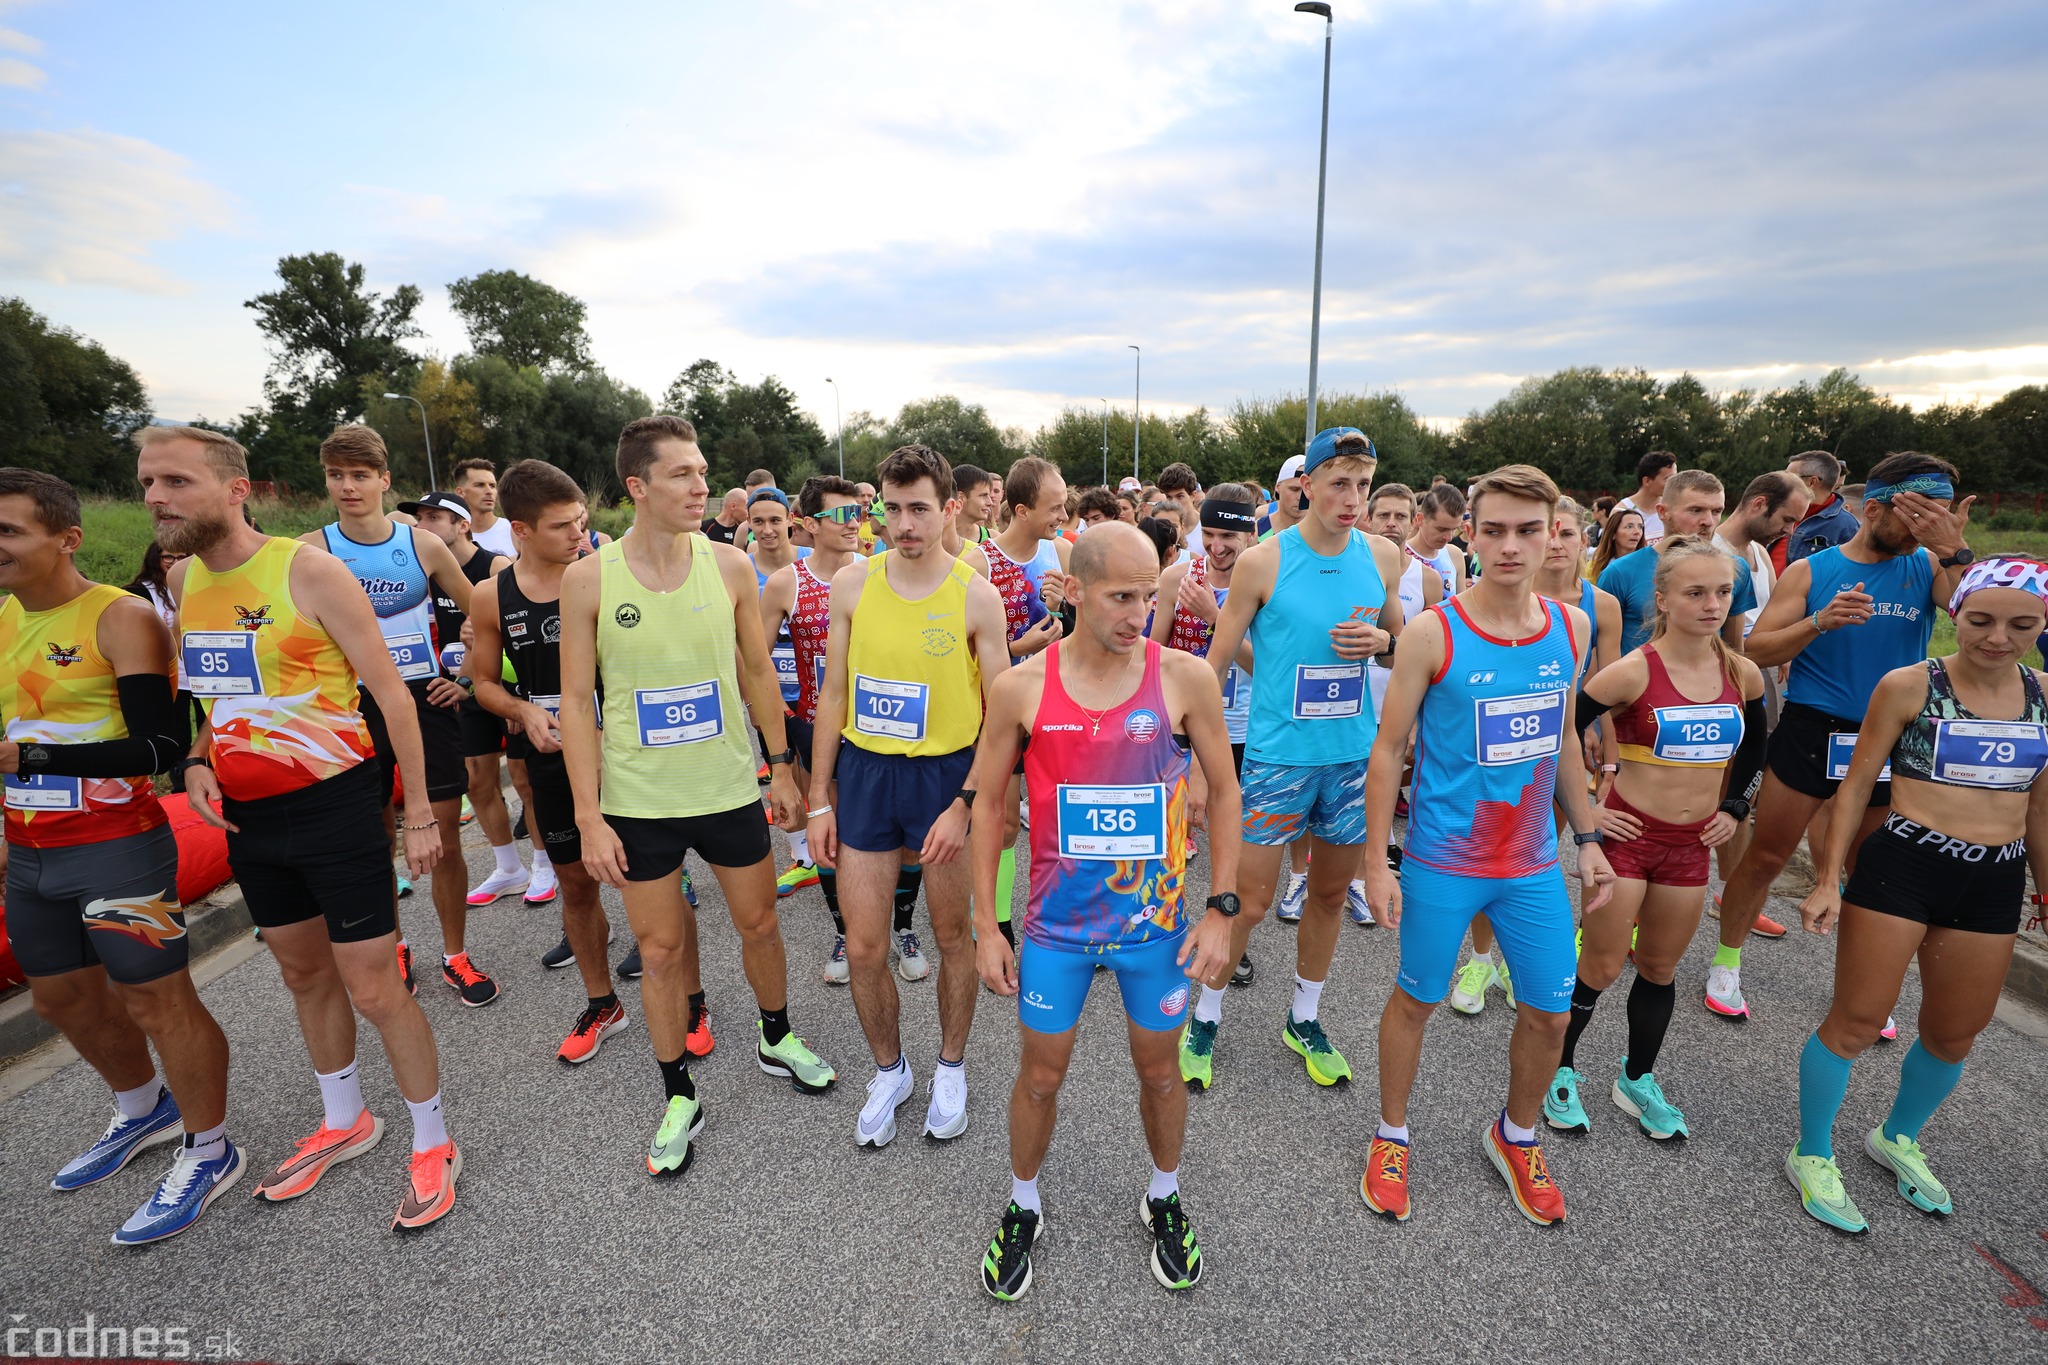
{"x":1838,"y":671}
{"x":403,"y":599}
{"x":1237,"y":693}
{"x":1310,"y":708}
{"x":1589,"y":604}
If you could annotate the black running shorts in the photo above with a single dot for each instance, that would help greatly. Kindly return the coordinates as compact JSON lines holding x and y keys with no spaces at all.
{"x":321,"y":850}
{"x":112,"y":904}
{"x":552,"y":811}
{"x":1921,"y":874}
{"x":656,"y":848}
{"x":440,"y":744}
{"x":1798,"y":753}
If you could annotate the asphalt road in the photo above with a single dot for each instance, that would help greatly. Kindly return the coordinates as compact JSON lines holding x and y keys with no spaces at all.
{"x":786,"y":1240}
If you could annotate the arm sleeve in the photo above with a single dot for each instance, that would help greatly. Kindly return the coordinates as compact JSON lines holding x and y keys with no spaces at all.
{"x":1748,"y":763}
{"x":157,"y":736}
{"x":1586,"y":711}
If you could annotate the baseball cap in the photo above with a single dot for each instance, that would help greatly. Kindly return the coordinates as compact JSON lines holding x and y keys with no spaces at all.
{"x":446,"y":502}
{"x":1325,"y":445}
{"x":1130,"y":485}
{"x":1290,"y":469}
{"x":772,"y":494}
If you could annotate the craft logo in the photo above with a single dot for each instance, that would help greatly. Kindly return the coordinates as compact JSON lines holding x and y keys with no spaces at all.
{"x":1141,"y":725}
{"x":628,"y":616}
{"x":253,"y":618}
{"x":1479,"y":679}
{"x":1173,"y":1002}
{"x":65,"y":655}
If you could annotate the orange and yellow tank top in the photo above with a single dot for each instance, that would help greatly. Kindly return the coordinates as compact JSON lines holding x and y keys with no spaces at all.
{"x":279,"y":691}
{"x":57,"y":688}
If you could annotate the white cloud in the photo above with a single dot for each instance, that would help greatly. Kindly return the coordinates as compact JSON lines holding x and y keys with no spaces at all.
{"x":85,"y":208}
{"x":20,"y":74}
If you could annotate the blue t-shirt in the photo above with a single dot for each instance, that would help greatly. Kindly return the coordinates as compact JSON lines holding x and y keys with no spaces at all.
{"x":1632,"y":580}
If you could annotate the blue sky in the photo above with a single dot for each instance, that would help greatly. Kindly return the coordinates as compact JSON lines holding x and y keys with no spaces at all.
{"x":993,"y":200}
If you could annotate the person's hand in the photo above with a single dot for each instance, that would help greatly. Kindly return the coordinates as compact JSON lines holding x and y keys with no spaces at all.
{"x":1383,"y":893}
{"x":1719,"y":830}
{"x":996,"y":962}
{"x":1038,"y":637}
{"x":1206,"y":951}
{"x":784,"y":797}
{"x":422,"y":845}
{"x":446,"y":692}
{"x":10,"y":756}
{"x":947,"y":836}
{"x":823,"y":832}
{"x":1052,"y":594}
{"x":1938,"y":528}
{"x":1596,"y":879}
{"x":1356,"y":640}
{"x":1851,"y":607}
{"x":604,"y":857}
{"x":541,"y":729}
{"x":1617,"y":825}
{"x":202,"y":793}
{"x":1822,"y":906}
{"x":1197,"y":599}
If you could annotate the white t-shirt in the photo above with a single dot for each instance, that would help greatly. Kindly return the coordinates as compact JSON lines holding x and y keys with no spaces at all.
{"x":1762,"y":578}
{"x":498,"y":540}
{"x":1653,"y":525}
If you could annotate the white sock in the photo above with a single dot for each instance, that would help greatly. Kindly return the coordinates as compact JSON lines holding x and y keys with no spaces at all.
{"x":1024,"y":1193}
{"x":542,"y":864}
{"x":1486,"y":957}
{"x":508,"y":859}
{"x":1390,"y":1132}
{"x":1209,"y":1009}
{"x":341,"y":1094}
{"x":428,"y":1131}
{"x":1514,"y":1133}
{"x":140,"y":1102}
{"x":209,"y":1145}
{"x":800,"y":846}
{"x":448,"y":959}
{"x":1308,"y":998}
{"x":1165,"y":1184}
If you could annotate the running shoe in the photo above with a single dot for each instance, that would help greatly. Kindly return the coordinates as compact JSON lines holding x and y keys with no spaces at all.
{"x":945,"y":1117}
{"x":1326,"y":1065}
{"x":499,"y":884}
{"x":1561,"y":1107}
{"x":412,"y":987}
{"x":1521,"y":1164}
{"x":404,"y":886}
{"x":184,"y":1193}
{"x":689,"y":889}
{"x":1401,"y":806}
{"x":911,"y":963}
{"x":1643,"y":1099}
{"x":593,"y":1026}
{"x":1766,"y":927}
{"x":302,"y":1170}
{"x":761,"y":774}
{"x":1197,"y":1049}
{"x":836,"y":970}
{"x":124,"y":1140}
{"x":1291,"y":901}
{"x":629,"y":965}
{"x":1890,"y":1032}
{"x":1006,"y":1266}
{"x":671,"y":1152}
{"x":1724,"y":993}
{"x":1384,"y":1187}
{"x":799,"y":876}
{"x":1468,"y":993}
{"x":1241,"y":974}
{"x":793,"y":1059}
{"x":1819,"y":1182}
{"x":541,"y":889}
{"x":1506,"y":982}
{"x":1904,"y":1159}
{"x":473,"y":986}
{"x":876,"y":1126}
{"x":1176,"y":1256}
{"x":699,"y":1043}
{"x":1355,"y":904}
{"x":429,"y":1187}
{"x":468,"y":814}
{"x":562,"y":955}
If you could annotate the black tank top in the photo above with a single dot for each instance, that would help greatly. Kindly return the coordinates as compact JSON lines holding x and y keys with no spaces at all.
{"x":532,"y":633}
{"x":448,"y":620}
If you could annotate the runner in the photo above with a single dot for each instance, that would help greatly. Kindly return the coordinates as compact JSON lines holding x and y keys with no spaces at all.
{"x":1941,"y":882}
{"x":977,"y":492}
{"x":399,"y":566}
{"x":1439,"y":516}
{"x":275,"y":636}
{"x":92,"y":870}
{"x":1653,"y":472}
{"x":670,"y":621}
{"x":476,"y":483}
{"x":1320,"y":599}
{"x":1285,"y":509}
{"x":1843,"y":617}
{"x":1688,"y":715}
{"x":1108,"y":874}
{"x":916,"y":639}
{"x":871,"y":538}
{"x":1691,"y":506}
{"x":1391,"y":512}
{"x":1487,"y":679}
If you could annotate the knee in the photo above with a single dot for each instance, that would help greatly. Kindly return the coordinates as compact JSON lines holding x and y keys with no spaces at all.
{"x":866,"y":951}
{"x":1403,"y":1008}
{"x":451,"y":845}
{"x":1853,"y":1030}
{"x":153,"y":1007}
{"x":64,"y":1004}
{"x":661,"y":957}
{"x":1658,"y":971}
{"x":381,"y":998}
{"x":1040,"y":1084}
{"x":1543,"y":1023}
{"x":950,"y":932}
{"x":1766,"y":857}
{"x":301,"y":978}
{"x":1947,"y":1047}
{"x":1160,"y":1077}
{"x":756,"y":930}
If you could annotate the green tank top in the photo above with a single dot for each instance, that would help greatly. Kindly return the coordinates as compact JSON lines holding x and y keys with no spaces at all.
{"x":675,"y":735}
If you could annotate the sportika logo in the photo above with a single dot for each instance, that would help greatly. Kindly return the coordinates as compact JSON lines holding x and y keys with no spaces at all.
{"x":1053,"y":729}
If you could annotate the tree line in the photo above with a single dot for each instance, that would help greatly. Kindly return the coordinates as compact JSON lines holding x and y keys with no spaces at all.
{"x":528,"y":386}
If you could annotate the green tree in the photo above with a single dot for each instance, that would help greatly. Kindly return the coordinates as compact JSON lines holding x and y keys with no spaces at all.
{"x":327,"y":334}
{"x":962,"y":432}
{"x":66,"y":406}
{"x":522,"y":319}
{"x":741,"y":427}
{"x":454,"y":418}
{"x":2020,"y":422}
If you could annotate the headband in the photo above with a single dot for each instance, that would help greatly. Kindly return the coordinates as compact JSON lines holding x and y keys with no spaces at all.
{"x":1218,"y":515}
{"x":1933,"y":485}
{"x":2027,"y":575}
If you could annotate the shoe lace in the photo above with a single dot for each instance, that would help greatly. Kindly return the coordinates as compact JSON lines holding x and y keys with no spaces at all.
{"x":1826,"y":1179}
{"x":1646,"y":1085}
{"x":907,"y":944}
{"x":1008,"y":1247}
{"x":178,"y":1181}
{"x":588,"y":1021}
{"x":425,"y":1165}
{"x":1391,"y":1158}
{"x":465,"y":971}
{"x":1202,"y":1038}
{"x":673,"y":1122}
{"x":114,"y":1125}
{"x":1539,"y":1169}
{"x":839,"y":949}
{"x":1310,"y":1031}
{"x":1169,"y":1224}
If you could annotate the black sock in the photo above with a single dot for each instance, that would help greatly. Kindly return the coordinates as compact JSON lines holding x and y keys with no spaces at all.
{"x":1649,"y":1017}
{"x":828,"y":882}
{"x":605,"y":1001}
{"x":1009,"y":932}
{"x":696,"y":1009}
{"x":1584,"y":997}
{"x":675,"y":1078}
{"x":908,"y":880}
{"x":774,"y":1025}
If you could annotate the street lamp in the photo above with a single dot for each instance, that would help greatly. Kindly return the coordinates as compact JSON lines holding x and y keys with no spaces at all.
{"x":1315,"y":323}
{"x":1137,"y":391}
{"x":839,"y":422}
{"x":425,"y":435}
{"x":1105,"y":440}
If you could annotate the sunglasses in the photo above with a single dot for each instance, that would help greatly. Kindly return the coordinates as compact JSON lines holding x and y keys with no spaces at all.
{"x":845,"y":514}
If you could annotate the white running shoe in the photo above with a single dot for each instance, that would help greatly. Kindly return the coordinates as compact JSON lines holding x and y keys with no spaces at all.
{"x":544,"y":885}
{"x":947,"y":1116}
{"x":836,"y":970}
{"x":911,"y":963}
{"x":1724,"y":993}
{"x":1293,"y":898}
{"x":876,"y":1126}
{"x":1355,"y":902}
{"x":498,"y":884}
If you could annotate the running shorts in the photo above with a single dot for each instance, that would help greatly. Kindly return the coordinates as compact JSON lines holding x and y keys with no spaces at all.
{"x":1531,"y":916}
{"x":656,"y":847}
{"x":1052,"y":983}
{"x":112,"y":904}
{"x":320,"y":850}
{"x":1798,"y":753}
{"x":1664,"y":854}
{"x":887,"y":802}
{"x":483,"y":732}
{"x":440,"y":746}
{"x":1283,"y":801}
{"x":551,"y":811}
{"x":1921,"y":874}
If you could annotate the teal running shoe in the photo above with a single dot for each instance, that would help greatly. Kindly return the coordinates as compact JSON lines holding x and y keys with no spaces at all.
{"x":672,"y":1150}
{"x":1326,"y":1065}
{"x":1643,"y":1099}
{"x":1904,"y":1159}
{"x":1561,"y":1107}
{"x":1819,"y":1182}
{"x":1198,"y":1054}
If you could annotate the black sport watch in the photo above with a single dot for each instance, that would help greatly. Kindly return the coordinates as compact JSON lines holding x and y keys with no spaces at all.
{"x":787,"y":757}
{"x":1963,"y":555}
{"x":1225,"y":905}
{"x":1591,"y":836}
{"x":184,"y":766}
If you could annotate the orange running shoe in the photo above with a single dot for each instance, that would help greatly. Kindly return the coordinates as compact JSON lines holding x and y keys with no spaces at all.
{"x":309,"y":1161}
{"x":405,"y":967}
{"x":699,"y":1043}
{"x":430,"y":1192}
{"x":1527,"y":1174}
{"x":1384,"y":1187}
{"x":593,"y":1026}
{"x":1766,"y":927}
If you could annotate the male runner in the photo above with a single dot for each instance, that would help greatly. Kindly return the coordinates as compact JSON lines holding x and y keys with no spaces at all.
{"x":671,"y":622}
{"x":1829,"y":519}
{"x":872,"y":540}
{"x":1689,"y":506}
{"x":1108,"y":717}
{"x":1486,"y":680}
{"x":1285,"y":509}
{"x":977,"y":492}
{"x":1390,"y":512}
{"x":281,"y":644}
{"x":399,"y":566}
{"x":476,"y":483}
{"x":1439,"y":516}
{"x":1653,"y":472}
{"x":1316,"y":602}
{"x":916,"y":640}
{"x":1179,"y":486}
{"x":92,"y":869}
{"x":1099,"y":505}
{"x":731,"y":522}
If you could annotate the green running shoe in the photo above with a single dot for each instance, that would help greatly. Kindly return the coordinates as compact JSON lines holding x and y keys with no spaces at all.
{"x":1176,"y":1256}
{"x":1326,"y":1065}
{"x":1468,"y":995}
{"x":1506,"y":982}
{"x":1561,"y":1107}
{"x":671,"y":1152}
{"x":1644,"y":1100}
{"x":1197,"y":1046}
{"x":1006,"y":1265}
{"x":1819,"y":1182}
{"x":792,"y":1059}
{"x":1904,"y":1159}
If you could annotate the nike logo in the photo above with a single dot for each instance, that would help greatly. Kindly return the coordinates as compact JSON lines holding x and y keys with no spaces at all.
{"x":700,"y":606}
{"x":937,"y":615}
{"x":355,"y":924}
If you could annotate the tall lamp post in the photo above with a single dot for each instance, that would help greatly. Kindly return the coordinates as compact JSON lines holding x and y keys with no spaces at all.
{"x":1315,"y":323}
{"x":1137,"y":395}
{"x":425,"y":435}
{"x":839,"y":422}
{"x":1105,"y":440}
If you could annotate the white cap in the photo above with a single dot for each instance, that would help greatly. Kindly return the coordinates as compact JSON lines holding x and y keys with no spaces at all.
{"x":1292,"y":467}
{"x":1130,"y":485}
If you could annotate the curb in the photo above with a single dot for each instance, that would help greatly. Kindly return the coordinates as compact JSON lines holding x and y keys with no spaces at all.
{"x":2027,"y":980}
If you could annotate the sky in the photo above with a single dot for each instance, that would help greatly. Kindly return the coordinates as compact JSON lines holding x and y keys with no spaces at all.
{"x":998,"y":200}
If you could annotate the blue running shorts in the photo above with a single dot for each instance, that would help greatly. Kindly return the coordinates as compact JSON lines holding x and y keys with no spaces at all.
{"x":891,"y":801}
{"x":1283,"y":801}
{"x":1052,"y":983}
{"x":1532,"y":918}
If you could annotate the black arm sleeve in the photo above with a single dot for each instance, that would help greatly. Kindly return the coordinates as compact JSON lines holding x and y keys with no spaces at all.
{"x":1586,"y":711}
{"x":157,"y":735}
{"x":1748,"y":763}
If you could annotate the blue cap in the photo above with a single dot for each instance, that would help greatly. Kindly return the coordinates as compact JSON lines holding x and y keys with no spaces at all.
{"x":771,"y":494}
{"x":1326,"y":442}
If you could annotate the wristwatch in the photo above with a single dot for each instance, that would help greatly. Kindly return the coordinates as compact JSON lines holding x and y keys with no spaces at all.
{"x":184,"y":766}
{"x":1963,"y":555}
{"x":787,"y":756}
{"x":1591,"y":836}
{"x":1735,"y":808}
{"x":1225,"y":905}
{"x":31,"y":759}
{"x":966,"y":794}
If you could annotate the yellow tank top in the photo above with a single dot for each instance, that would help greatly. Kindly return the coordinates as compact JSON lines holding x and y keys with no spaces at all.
{"x":280,"y":693}
{"x":912,"y":686}
{"x":56,"y":686}
{"x":675,"y":736}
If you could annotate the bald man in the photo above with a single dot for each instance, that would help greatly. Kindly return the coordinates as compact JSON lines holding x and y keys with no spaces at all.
{"x":730,"y":525}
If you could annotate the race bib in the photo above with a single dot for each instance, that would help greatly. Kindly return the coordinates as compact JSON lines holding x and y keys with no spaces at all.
{"x":678,"y":715}
{"x":1328,"y":691}
{"x":1517,"y":729}
{"x":551,"y":705}
{"x":1841,"y":748}
{"x":889,"y":709}
{"x":1230,"y":676}
{"x":44,"y":792}
{"x":784,"y":656}
{"x":1697,"y":734}
{"x":1112,"y":823}
{"x":1989,"y":753}
{"x":221,"y":663}
{"x":413,"y":655}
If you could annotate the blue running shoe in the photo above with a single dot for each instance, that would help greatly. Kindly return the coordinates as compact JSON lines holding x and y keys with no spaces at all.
{"x":124,"y":1139}
{"x":188,"y":1187}
{"x":1643,"y":1099}
{"x":404,"y":886}
{"x":689,"y":891}
{"x":1355,"y":902}
{"x":1292,"y":899}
